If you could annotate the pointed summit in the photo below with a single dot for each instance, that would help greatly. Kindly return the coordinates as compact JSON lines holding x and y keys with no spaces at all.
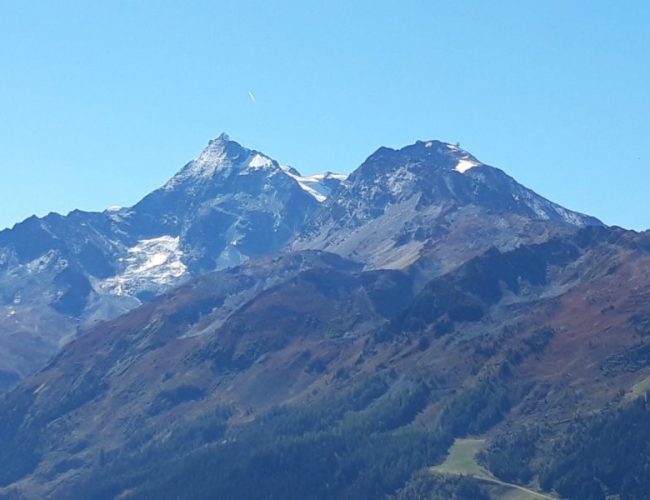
{"x":219,"y":151}
{"x":222,"y":154}
{"x":223,"y":158}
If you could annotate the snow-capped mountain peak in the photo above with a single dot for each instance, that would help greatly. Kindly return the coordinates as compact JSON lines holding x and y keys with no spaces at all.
{"x":221,"y":155}
{"x":432,"y":155}
{"x":218,"y":151}
{"x":427,"y":200}
{"x":225,"y":157}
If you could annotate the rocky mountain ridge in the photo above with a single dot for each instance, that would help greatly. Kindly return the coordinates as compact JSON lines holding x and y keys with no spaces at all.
{"x":58,"y":272}
{"x":425,"y":298}
{"x":230,"y":204}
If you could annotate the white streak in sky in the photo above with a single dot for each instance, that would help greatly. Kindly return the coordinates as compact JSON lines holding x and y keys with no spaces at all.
{"x":252,"y":96}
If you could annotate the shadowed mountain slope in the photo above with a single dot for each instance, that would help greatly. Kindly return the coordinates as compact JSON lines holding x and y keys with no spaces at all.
{"x":280,"y":346}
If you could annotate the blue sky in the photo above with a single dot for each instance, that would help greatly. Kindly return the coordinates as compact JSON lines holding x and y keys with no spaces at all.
{"x":101,"y":102}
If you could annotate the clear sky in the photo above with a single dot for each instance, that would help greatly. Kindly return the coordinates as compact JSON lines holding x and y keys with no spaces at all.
{"x":101,"y":102}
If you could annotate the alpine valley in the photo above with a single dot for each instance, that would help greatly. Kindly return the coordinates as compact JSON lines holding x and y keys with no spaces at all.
{"x":425,"y":327}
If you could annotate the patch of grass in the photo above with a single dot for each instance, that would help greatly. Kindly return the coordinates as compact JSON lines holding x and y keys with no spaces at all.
{"x":462,"y":459}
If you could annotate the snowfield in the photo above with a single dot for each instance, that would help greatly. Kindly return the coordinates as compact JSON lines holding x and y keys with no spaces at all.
{"x":150,"y":264}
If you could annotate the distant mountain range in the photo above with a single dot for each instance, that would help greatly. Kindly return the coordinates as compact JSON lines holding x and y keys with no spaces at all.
{"x":248,"y":332}
{"x":230,"y":204}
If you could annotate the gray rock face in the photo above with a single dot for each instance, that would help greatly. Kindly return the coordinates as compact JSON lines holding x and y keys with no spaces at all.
{"x":430,"y":199}
{"x":227,"y":205}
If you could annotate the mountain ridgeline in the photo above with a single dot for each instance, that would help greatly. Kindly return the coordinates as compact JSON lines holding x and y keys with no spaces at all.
{"x":248,"y":332}
{"x":62,"y":273}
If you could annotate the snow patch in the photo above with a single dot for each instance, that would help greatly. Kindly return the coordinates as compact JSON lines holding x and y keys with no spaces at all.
{"x":332,"y":175}
{"x":464,"y":164}
{"x":50,"y":260}
{"x":569,"y":217}
{"x":260,"y":161}
{"x":150,"y":263}
{"x":313,"y":184}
